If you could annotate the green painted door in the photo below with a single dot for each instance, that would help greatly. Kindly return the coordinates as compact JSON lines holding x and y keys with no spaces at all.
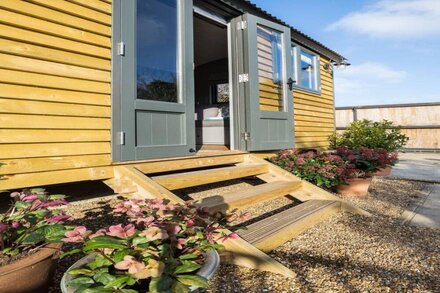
{"x":261,"y":79}
{"x":154,"y":53}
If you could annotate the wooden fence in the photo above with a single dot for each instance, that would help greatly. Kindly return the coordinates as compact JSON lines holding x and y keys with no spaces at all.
{"x":419,"y":121}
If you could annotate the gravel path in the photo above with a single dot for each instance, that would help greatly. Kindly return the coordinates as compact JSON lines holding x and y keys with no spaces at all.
{"x":346,"y":253}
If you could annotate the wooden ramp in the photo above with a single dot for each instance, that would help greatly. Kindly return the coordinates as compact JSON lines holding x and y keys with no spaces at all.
{"x":159,"y":179}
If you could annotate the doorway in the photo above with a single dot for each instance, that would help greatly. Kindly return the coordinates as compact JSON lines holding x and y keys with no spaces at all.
{"x":212,"y":94}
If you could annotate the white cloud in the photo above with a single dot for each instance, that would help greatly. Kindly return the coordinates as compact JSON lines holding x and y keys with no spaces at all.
{"x":366,"y":75}
{"x":394,"y":19}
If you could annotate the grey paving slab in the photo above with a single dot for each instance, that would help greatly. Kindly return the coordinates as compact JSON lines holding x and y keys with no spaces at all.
{"x":428,"y":213}
{"x":417,"y":166}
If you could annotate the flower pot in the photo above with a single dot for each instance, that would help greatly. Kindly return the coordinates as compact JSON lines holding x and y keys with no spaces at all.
{"x":208,"y":269}
{"x":355,"y":187}
{"x":32,"y":273}
{"x":382,"y":172}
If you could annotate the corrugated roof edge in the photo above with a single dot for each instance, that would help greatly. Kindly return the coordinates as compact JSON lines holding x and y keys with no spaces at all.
{"x":297,"y":35}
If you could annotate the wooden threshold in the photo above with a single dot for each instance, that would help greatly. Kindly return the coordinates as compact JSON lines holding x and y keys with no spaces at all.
{"x":196,"y":178}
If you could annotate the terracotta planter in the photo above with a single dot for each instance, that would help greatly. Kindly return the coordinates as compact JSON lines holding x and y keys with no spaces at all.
{"x":32,"y":273}
{"x":208,"y":269}
{"x":355,"y":187}
{"x":382,"y":172}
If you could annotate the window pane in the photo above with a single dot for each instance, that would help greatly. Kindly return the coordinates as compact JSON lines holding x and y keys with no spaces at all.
{"x":157,"y":50}
{"x":221,"y":93}
{"x":269,"y":49}
{"x":308,"y":71}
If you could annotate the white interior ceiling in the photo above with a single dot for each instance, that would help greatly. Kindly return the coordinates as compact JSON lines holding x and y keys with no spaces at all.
{"x":210,"y":41}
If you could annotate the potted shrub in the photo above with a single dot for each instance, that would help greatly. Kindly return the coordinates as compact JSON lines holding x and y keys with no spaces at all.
{"x":375,"y":162}
{"x":373,"y":135}
{"x":30,"y":234}
{"x":322,"y":169}
{"x":354,"y":182}
{"x":162,"y":248}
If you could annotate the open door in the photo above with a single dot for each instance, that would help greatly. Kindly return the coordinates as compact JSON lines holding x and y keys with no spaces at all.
{"x":153,"y":84}
{"x":262,"y":81}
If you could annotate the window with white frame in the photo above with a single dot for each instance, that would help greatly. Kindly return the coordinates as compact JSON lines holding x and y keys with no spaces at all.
{"x":305,"y":68}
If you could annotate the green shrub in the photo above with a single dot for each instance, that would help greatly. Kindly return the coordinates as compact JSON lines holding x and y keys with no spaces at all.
{"x":369,"y":134}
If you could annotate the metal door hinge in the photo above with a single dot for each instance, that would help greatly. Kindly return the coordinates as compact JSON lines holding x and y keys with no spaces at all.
{"x":121,"y":135}
{"x":241,"y":25}
{"x":121,"y":49}
{"x":246,"y":136}
{"x":243,"y":77}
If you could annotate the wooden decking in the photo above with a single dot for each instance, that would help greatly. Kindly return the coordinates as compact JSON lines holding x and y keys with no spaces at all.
{"x":159,"y":178}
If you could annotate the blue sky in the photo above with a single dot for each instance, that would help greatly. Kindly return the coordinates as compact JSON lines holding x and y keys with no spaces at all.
{"x":393,"y":45}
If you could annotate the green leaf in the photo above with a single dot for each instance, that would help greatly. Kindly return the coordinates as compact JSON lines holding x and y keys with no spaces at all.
{"x":104,"y":277}
{"x":160,"y":284}
{"x":139,"y":240}
{"x":54,"y":232}
{"x":187,"y":267}
{"x":82,"y":271}
{"x":97,"y":290}
{"x":38,"y":190}
{"x":33,"y":238}
{"x":20,"y":205}
{"x":179,"y":287}
{"x":103,"y":242}
{"x":188,"y":256}
{"x":98,"y":262}
{"x":118,"y":283}
{"x":129,"y":291}
{"x":81,"y":282}
{"x":57,"y":196}
{"x":193,"y":280}
{"x":119,"y":255}
{"x":73,"y":251}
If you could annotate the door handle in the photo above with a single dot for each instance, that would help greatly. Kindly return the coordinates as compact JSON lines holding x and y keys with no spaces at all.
{"x":290,"y":83}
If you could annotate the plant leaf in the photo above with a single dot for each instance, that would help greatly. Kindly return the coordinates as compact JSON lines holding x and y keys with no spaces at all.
{"x":187,"y":267}
{"x":103,"y":277}
{"x":81,"y":282}
{"x":118,"y":283}
{"x":193,"y":280}
{"x":188,"y":256}
{"x":160,"y":284}
{"x":70,"y":252}
{"x":103,"y":242}
{"x":99,"y":262}
{"x":81,"y":271}
{"x":98,"y":290}
{"x":179,"y":288}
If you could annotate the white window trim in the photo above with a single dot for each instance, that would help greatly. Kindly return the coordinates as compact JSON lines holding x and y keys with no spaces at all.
{"x":296,"y":68}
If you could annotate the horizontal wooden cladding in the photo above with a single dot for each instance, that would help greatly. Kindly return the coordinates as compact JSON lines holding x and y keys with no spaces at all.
{"x":315,"y":134}
{"x":43,"y":94}
{"x":52,"y":135}
{"x":312,"y":128}
{"x":54,"y":55}
{"x":95,"y":4}
{"x":313,"y":144}
{"x":314,"y":123}
{"x":55,"y":177}
{"x":74,"y":9}
{"x":311,"y":138}
{"x":47,"y":27}
{"x":14,"y":166}
{"x":34,"y":150}
{"x":56,"y":16}
{"x":300,"y":106}
{"x":50,"y":81}
{"x":48,"y":108}
{"x":12,"y":62}
{"x":312,"y":113}
{"x":323,"y":98}
{"x":315,"y":103}
{"x":43,"y":39}
{"x":52,"y":122}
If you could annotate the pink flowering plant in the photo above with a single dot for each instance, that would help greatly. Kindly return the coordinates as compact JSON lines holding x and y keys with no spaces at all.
{"x":367,"y":160}
{"x":159,"y":249}
{"x":322,"y":169}
{"x":33,"y":220}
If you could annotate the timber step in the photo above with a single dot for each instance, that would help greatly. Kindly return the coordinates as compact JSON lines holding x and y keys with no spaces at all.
{"x":249,"y":196}
{"x":201,"y":177}
{"x":273,"y":231}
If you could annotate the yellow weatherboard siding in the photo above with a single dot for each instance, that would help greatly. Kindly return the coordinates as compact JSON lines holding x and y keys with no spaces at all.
{"x":314,"y":113}
{"x":55,"y":63}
